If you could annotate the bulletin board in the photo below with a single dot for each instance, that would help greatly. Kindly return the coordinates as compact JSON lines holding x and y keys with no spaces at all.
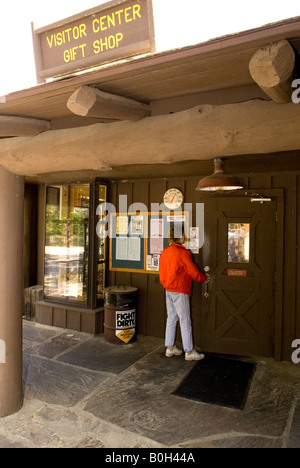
{"x":137,"y":240}
{"x":127,"y":242}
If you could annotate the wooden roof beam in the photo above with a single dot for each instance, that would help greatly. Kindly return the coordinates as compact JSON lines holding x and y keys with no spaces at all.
{"x":11,"y":126}
{"x":91,"y":102}
{"x":204,"y":132}
{"x":273,"y":68}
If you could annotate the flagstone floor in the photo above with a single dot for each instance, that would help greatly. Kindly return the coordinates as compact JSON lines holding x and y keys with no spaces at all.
{"x":80,"y":391}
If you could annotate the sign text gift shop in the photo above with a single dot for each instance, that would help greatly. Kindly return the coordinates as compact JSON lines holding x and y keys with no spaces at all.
{"x":121,"y":29}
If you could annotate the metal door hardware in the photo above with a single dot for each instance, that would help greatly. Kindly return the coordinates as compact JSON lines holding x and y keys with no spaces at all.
{"x":260,"y":200}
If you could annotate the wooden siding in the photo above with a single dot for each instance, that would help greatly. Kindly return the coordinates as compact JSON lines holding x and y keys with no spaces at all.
{"x":151,"y":308}
{"x":30,"y":235}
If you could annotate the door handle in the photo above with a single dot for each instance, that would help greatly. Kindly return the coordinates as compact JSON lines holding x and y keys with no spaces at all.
{"x":206,"y":293}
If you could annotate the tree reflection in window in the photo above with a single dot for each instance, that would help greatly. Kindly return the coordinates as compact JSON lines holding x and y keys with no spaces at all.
{"x":67,"y":242}
{"x":238,"y":242}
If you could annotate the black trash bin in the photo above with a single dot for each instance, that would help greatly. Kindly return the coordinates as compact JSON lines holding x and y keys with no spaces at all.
{"x":120,"y":314}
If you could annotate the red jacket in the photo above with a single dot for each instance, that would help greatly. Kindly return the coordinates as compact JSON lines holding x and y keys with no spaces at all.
{"x":177,"y":270}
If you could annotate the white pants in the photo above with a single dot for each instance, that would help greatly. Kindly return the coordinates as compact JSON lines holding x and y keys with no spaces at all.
{"x":178,"y":308}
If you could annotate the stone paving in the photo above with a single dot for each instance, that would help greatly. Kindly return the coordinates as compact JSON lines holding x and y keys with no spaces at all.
{"x":82,"y":392}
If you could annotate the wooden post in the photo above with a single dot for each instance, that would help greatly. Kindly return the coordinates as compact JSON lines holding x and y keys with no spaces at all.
{"x":273,"y":68}
{"x":38,"y":55}
{"x":11,"y":291}
{"x":91,"y":102}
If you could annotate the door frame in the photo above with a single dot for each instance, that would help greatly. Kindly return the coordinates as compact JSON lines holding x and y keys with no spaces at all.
{"x":279,"y":264}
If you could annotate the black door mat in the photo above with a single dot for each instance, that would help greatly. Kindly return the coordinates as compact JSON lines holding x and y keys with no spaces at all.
{"x":218,"y":381}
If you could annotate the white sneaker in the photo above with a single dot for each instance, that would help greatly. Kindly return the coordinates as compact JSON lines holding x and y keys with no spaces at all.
{"x":174,"y":352}
{"x":194,"y":356}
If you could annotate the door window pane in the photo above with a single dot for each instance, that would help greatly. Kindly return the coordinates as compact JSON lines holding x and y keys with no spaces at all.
{"x":67,"y":242}
{"x":238,"y":242}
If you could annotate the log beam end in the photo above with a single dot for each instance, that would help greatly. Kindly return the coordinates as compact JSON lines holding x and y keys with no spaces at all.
{"x":91,"y":102}
{"x":273,"y":68}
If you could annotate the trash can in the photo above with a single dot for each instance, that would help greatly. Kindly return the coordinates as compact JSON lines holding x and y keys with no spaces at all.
{"x":120,"y":310}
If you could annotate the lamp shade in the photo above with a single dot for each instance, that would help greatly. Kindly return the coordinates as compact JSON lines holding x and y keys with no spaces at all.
{"x":219,"y":181}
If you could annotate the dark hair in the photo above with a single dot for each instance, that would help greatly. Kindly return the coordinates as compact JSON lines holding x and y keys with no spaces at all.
{"x":177,"y":231}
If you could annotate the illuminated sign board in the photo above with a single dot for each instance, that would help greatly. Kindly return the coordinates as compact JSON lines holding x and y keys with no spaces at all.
{"x":110,"y":32}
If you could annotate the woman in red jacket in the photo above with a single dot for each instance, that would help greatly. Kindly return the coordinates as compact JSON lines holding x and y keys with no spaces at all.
{"x":177,"y":270}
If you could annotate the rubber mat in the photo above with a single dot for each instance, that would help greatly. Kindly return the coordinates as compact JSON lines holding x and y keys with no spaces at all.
{"x":218,"y":380}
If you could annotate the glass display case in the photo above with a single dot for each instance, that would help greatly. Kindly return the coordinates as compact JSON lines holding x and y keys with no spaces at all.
{"x":75,"y":257}
{"x":101,"y":241}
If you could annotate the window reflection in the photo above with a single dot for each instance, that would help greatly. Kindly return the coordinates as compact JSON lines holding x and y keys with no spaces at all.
{"x":101,"y":243}
{"x":67,"y":242}
{"x":238,"y":242}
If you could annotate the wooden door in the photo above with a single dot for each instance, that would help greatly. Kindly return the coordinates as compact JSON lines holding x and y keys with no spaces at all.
{"x":238,"y":317}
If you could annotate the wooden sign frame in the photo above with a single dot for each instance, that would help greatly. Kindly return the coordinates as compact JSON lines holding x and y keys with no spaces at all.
{"x":113,"y":31}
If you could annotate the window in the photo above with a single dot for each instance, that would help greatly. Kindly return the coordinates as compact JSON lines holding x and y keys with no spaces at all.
{"x":238,"y":242}
{"x":71,"y":244}
{"x":101,"y":243}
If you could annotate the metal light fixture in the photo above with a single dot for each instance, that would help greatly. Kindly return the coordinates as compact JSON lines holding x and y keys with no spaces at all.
{"x":219,"y":181}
